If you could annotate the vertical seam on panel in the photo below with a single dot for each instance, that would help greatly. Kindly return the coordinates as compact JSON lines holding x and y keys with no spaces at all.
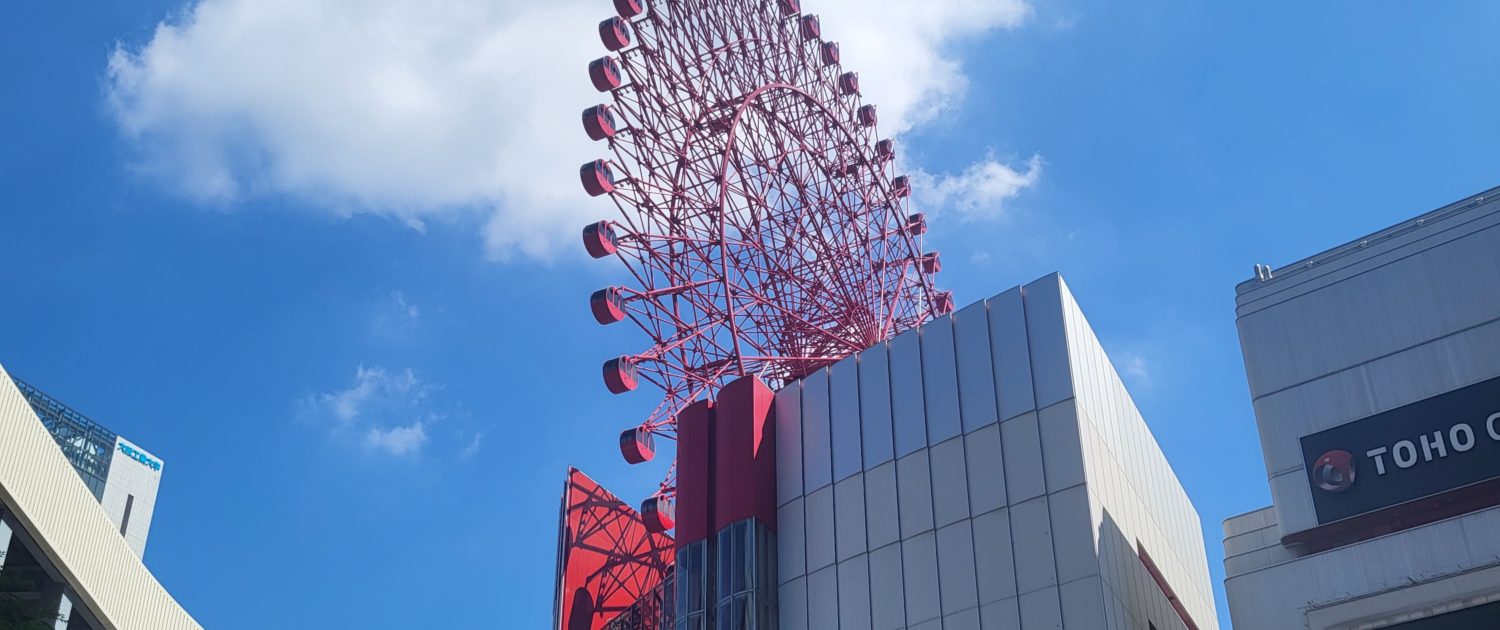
{"x":890,"y":399}
{"x":937,"y":559}
{"x":1041,"y":452}
{"x":864,"y":488}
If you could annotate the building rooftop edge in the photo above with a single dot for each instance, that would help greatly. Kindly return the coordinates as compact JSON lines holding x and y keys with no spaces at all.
{"x":1424,"y":221}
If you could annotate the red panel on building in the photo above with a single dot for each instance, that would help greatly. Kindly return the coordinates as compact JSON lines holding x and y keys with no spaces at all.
{"x":695,"y":431}
{"x":744,"y":454}
{"x":607,"y":561}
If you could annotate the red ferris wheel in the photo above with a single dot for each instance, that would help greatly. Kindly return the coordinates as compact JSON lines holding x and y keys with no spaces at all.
{"x":761,"y":222}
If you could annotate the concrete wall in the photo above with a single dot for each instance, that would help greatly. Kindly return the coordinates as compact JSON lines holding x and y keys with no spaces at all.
{"x":985,"y":471}
{"x":43,"y":492}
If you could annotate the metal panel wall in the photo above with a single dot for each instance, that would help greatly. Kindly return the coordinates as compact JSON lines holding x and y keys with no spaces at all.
{"x":1011,"y":354}
{"x":817,"y":440}
{"x":849,"y":516}
{"x":854,"y":594}
{"x":976,"y":375}
{"x":1041,"y":609}
{"x":920,"y":562}
{"x":823,"y":600}
{"x":940,"y":380}
{"x":956,"y":567}
{"x":819,"y":533}
{"x":914,"y":489}
{"x":791,"y":544}
{"x":1021,"y":441}
{"x":1001,"y":615}
{"x":843,"y":413}
{"x":791,"y":604}
{"x":994,"y":563}
{"x":887,"y":598}
{"x":789,"y":443}
{"x":999,"y":522}
{"x":882,"y":518}
{"x":1031,"y":524}
{"x":875,"y":405}
{"x":950,"y":486}
{"x":982,"y":454}
{"x":1047,"y":339}
{"x":907,"y":407}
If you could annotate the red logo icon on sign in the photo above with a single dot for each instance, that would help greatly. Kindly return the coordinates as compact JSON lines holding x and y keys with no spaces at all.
{"x":1334,"y":471}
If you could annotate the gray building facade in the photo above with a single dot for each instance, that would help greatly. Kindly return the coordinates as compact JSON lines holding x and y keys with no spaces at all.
{"x":989,"y":471}
{"x":1374,"y":369}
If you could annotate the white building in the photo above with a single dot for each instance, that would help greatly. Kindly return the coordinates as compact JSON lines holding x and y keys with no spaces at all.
{"x":76,"y":555}
{"x":988,"y":470}
{"x":122,"y":475}
{"x":1375,"y":373}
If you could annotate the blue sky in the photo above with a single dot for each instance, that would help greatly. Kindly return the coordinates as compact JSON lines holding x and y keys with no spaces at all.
{"x":367,"y":388}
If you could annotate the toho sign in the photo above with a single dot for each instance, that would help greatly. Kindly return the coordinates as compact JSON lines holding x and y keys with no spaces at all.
{"x":1425,"y":448}
{"x":137,"y":455}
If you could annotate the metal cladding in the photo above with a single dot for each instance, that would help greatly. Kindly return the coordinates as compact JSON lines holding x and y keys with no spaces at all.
{"x":605,"y":73}
{"x":615,"y":33}
{"x":638,"y":445}
{"x":608,"y":305}
{"x":620,"y":375}
{"x":607,"y":559}
{"x":744,"y":454}
{"x":599,"y":239}
{"x":598,"y":122}
{"x":597,"y":177}
{"x":695,"y":445}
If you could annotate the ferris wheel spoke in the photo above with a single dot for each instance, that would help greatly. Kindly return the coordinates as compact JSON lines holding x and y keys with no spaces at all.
{"x":762,"y":226}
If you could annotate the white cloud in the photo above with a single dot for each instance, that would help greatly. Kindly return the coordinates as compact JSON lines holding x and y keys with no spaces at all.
{"x":422,"y":110}
{"x":904,"y":51}
{"x":378,"y":410}
{"x":372,"y":386}
{"x":397,"y":441}
{"x":980,"y":192}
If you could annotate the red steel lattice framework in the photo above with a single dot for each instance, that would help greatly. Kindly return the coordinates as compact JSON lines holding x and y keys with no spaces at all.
{"x":608,"y":565}
{"x":761,"y":220}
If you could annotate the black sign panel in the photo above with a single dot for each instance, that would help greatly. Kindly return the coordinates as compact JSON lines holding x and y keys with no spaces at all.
{"x":1427,"y":447}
